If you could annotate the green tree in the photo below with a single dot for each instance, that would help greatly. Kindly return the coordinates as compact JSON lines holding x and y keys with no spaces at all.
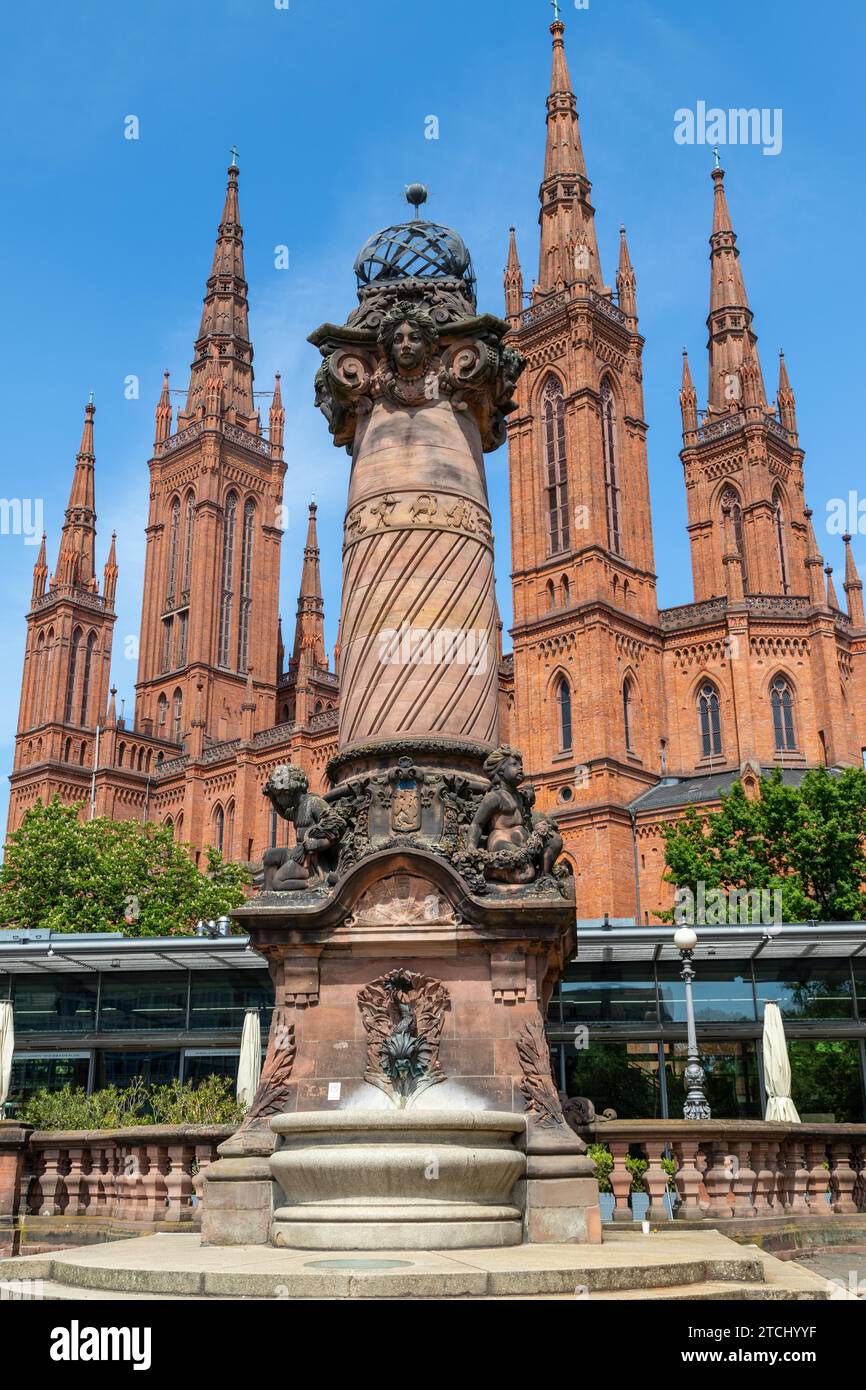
{"x":102,"y":875}
{"x":807,"y":841}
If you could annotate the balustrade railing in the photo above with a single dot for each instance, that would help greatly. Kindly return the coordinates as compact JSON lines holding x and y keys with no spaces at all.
{"x":150,"y":1173}
{"x":730,"y":1169}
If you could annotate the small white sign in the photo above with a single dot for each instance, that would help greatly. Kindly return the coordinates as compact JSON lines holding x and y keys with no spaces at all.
{"x":334,"y":1088}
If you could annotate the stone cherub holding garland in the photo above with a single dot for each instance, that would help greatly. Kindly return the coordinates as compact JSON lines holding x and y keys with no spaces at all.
{"x":318,"y":828}
{"x":519,"y":845}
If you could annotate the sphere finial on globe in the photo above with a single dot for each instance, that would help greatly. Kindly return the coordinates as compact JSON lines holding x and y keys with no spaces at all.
{"x":416,"y":194}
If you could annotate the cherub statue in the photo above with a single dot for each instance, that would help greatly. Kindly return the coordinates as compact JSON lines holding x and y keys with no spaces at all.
{"x":519,"y":844}
{"x":318,"y":828}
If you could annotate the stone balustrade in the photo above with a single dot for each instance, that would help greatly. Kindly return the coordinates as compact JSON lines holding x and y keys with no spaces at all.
{"x":732,"y":1170}
{"x":148,"y":1173}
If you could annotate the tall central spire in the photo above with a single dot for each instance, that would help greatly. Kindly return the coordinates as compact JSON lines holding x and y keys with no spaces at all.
{"x":731,"y":337}
{"x":224,"y":329}
{"x":75,"y":560}
{"x":569,"y":250}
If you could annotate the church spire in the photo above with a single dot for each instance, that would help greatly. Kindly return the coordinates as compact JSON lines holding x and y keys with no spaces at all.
{"x":40,"y":573}
{"x":688,"y":398}
{"x":626,"y":280}
{"x":224,"y":328}
{"x":75,"y":560}
{"x":513,"y":278}
{"x":832,"y":600}
{"x":730,"y":319}
{"x":109,"y":587}
{"x":310,"y":624}
{"x":277,"y":419}
{"x":853,"y":587}
{"x":814,"y":562}
{"x":163,"y":412}
{"x":569,"y":250}
{"x":785,"y":398}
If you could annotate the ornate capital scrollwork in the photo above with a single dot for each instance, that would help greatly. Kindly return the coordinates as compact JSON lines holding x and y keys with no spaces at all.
{"x":416,"y":344}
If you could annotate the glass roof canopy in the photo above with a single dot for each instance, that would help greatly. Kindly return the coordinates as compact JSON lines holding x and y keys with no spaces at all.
{"x":793,"y":941}
{"x":31,"y":952}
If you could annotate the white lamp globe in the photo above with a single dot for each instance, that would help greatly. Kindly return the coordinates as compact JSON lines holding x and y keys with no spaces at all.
{"x":685,"y":939}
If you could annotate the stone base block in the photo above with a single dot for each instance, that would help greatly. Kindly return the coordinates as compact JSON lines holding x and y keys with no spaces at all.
{"x":239,"y":1202}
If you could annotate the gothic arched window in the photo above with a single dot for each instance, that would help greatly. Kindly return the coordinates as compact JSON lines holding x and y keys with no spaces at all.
{"x":71,"y":676}
{"x":246,"y":584}
{"x":710,"y":721}
{"x":228,"y":578}
{"x":611,"y":467}
{"x":782,"y":701}
{"x":161,"y":711}
{"x":730,"y":500}
{"x":563,"y":700}
{"x":219,"y":823}
{"x":628,"y":713}
{"x":85,"y":680}
{"x":187,"y":544}
{"x":177,"y":715}
{"x":565,"y":589}
{"x":173,"y":538}
{"x":40,"y":687}
{"x":555,"y":465}
{"x":781,"y":550}
{"x":230,"y":828}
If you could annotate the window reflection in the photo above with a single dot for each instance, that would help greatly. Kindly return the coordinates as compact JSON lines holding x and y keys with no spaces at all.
{"x":722,"y":992}
{"x":806,"y":989}
{"x":219,"y":1000}
{"x":620,"y":1076}
{"x":144,"y":1002}
{"x":730,"y":1078}
{"x":55,"y":1003}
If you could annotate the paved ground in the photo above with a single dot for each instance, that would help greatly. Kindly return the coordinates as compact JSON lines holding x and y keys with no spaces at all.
{"x":627,"y":1265}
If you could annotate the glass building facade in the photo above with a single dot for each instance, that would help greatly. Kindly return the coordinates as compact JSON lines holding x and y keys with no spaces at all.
{"x":93,"y":1015}
{"x":618,"y":1033}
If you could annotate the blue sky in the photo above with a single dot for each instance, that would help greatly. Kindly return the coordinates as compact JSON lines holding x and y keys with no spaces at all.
{"x":107,"y":241}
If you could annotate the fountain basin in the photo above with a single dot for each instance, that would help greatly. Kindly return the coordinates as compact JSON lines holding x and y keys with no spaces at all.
{"x":398,"y":1180}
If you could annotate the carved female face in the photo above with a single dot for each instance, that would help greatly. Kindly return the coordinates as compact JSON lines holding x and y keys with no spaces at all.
{"x":408,"y":348}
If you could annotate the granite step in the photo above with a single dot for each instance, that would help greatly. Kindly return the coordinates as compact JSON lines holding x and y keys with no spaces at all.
{"x":664,"y":1266}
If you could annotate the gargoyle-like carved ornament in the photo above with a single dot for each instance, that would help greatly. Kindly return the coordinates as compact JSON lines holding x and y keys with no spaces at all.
{"x":403,"y":1015}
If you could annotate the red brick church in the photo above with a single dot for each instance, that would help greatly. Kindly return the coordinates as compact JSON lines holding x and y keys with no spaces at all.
{"x":624,"y":712}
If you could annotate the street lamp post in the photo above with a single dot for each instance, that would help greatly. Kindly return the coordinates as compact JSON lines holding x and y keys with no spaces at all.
{"x":696,"y":1106}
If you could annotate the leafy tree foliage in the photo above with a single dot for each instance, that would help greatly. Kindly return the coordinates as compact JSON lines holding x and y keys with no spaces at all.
{"x":807,"y":841}
{"x":103,"y":875}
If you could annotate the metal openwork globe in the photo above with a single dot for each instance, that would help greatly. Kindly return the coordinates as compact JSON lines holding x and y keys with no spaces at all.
{"x":415,"y":248}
